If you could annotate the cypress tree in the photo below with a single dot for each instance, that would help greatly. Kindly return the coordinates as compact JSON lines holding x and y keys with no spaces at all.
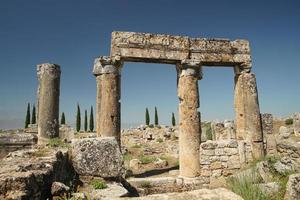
{"x":91,"y":120}
{"x":147,"y":117}
{"x":63,"y":118}
{"x":156,"y":117}
{"x":33,"y":119}
{"x":85,"y":121}
{"x":173,"y":120}
{"x":27,"y":119}
{"x":78,"y":119}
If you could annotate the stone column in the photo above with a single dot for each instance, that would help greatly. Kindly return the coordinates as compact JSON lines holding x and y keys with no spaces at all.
{"x":189,"y":119}
{"x":248,"y":119}
{"x":269,"y":138}
{"x":48,"y":101}
{"x":108,"y":107}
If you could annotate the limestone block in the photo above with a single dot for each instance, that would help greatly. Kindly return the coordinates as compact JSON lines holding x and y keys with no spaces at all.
{"x":131,"y":46}
{"x":296,"y":124}
{"x":97,"y":157}
{"x":216,"y":165}
{"x":230,"y":151}
{"x":66,"y":133}
{"x":293,"y":188}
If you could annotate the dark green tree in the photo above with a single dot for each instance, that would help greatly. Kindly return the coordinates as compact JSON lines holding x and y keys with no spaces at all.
{"x":155,"y":117}
{"x":173,"y":120}
{"x":33,"y":117}
{"x":63,"y":118}
{"x":27,"y":119}
{"x":85,"y":121}
{"x":147,"y":117}
{"x":78,"y":119}
{"x":91,"y":120}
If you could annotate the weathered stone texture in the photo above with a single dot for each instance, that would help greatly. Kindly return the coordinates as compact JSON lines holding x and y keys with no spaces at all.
{"x":189,"y":124}
{"x":296,"y":124}
{"x":48,"y":101}
{"x":202,"y":194}
{"x":220,"y":158}
{"x":29,"y":174}
{"x":269,"y":138}
{"x":97,"y":157}
{"x":293,"y":188}
{"x":224,"y":131}
{"x":107,"y":72}
{"x":248,"y":119}
{"x":133,"y":46}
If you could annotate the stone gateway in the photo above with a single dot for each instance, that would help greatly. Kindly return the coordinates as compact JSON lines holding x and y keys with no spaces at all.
{"x":189,"y":55}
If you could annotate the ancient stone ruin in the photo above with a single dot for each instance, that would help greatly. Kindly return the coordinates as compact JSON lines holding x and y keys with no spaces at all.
{"x":189,"y":55}
{"x":40,"y":171}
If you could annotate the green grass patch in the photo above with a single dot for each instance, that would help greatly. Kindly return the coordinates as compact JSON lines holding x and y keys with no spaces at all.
{"x":136,"y":146}
{"x":98,"y":184}
{"x":57,"y":142}
{"x":246,"y":188}
{"x":127,"y":157}
{"x":146,"y":159}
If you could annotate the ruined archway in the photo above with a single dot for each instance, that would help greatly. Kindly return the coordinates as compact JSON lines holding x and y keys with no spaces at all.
{"x":189,"y":55}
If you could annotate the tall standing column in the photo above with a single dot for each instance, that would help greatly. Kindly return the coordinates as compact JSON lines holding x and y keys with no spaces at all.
{"x":108,"y":108}
{"x":189,"y":119}
{"x":48,"y":101}
{"x":248,"y":119}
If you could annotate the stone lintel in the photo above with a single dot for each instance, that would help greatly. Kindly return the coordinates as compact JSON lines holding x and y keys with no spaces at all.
{"x":159,"y":48}
{"x":107,"y":65}
{"x":52,"y":70}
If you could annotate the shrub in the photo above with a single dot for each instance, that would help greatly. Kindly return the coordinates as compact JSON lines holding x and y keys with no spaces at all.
{"x":289,"y":121}
{"x":98,"y":184}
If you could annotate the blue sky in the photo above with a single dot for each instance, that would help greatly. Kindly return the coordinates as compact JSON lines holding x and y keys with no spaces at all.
{"x":72,"y":33}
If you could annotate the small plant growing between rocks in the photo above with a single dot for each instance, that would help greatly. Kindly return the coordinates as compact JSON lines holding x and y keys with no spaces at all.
{"x":56,"y":142}
{"x":145,"y":184}
{"x":146,"y":159}
{"x":136,"y":146}
{"x":159,"y":140}
{"x":98,"y":184}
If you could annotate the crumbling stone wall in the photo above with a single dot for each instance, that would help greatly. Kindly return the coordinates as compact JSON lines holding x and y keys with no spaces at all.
{"x":222,"y":158}
{"x":224,"y":131}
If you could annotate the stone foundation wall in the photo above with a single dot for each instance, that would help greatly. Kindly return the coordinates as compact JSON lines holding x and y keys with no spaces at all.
{"x":223,"y":157}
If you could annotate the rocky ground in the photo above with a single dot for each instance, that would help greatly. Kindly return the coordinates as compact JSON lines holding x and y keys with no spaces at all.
{"x":150,"y":156}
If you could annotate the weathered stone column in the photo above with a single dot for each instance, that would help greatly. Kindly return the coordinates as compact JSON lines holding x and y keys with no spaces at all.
{"x":48,"y":101}
{"x":269,"y":138}
{"x":248,"y":119}
{"x":108,"y":108}
{"x":189,"y":119}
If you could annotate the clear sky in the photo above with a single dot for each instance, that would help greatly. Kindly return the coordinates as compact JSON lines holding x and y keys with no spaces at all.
{"x":72,"y":33}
